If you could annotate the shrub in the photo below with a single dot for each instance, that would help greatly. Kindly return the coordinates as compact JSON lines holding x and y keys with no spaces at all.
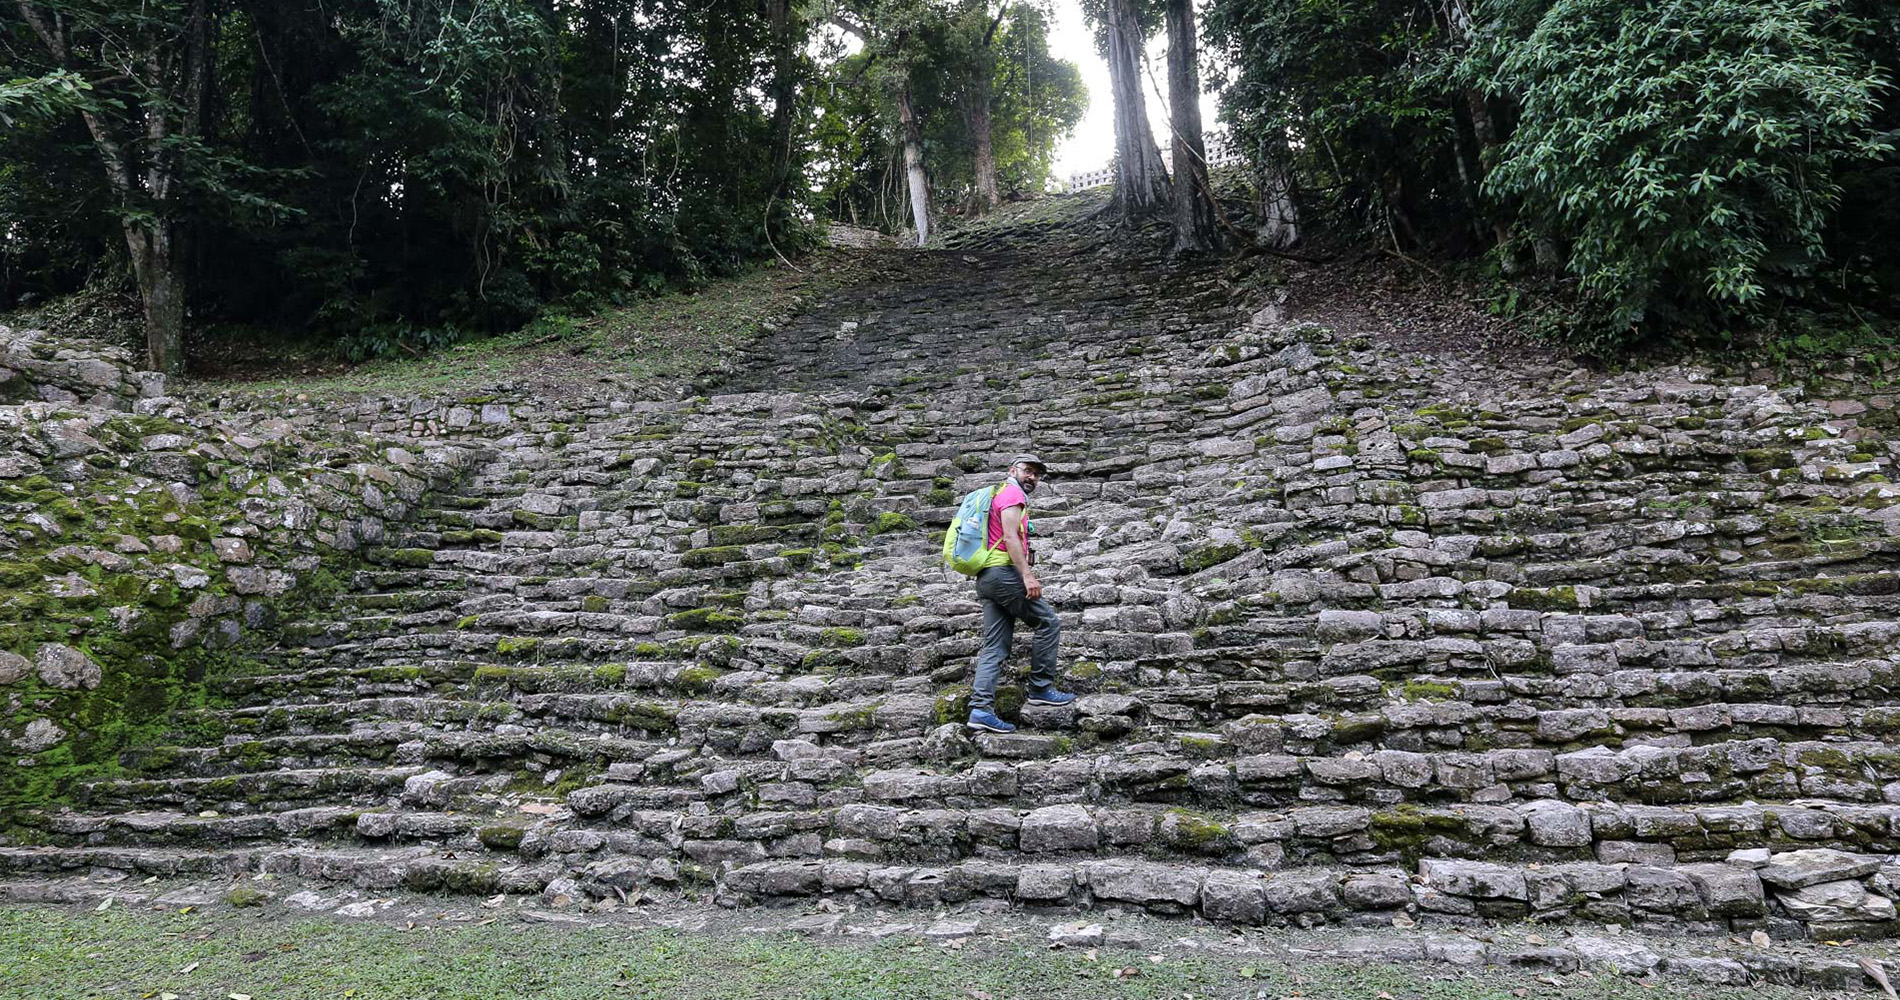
{"x":1686,"y":155}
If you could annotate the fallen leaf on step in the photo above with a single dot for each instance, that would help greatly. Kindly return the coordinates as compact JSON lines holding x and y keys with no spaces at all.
{"x":1758,"y":938}
{"x":1156,"y":959}
{"x":1534,"y":939}
{"x":1878,"y":975}
{"x":496,"y":900}
{"x":187,"y":970}
{"x":101,"y":908}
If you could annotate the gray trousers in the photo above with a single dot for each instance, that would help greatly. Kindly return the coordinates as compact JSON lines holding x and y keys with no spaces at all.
{"x":1004,"y":601}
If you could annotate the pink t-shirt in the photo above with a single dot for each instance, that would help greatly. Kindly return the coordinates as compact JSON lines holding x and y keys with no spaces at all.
{"x":1009,"y":495}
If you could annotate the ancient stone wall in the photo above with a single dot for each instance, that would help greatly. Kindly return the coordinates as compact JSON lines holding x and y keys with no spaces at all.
{"x":149,"y":541}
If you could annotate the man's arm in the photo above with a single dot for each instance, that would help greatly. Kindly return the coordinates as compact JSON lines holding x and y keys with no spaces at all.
{"x":1018,"y":553}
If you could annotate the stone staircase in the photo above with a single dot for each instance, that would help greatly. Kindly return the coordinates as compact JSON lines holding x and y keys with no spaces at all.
{"x":1362,"y":638}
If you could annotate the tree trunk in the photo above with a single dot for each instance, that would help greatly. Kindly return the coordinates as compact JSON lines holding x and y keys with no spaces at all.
{"x":178,"y":85}
{"x":1194,"y":230}
{"x":914,"y":165}
{"x":784,"y":91}
{"x":1141,"y":181}
{"x":978,"y":117}
{"x":156,"y":265}
{"x":1279,"y":219}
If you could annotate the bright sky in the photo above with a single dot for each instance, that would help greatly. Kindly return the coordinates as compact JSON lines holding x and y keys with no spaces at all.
{"x":1092,"y":144}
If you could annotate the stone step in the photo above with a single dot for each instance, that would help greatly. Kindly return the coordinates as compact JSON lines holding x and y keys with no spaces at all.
{"x":1552,"y":708}
{"x":1339,"y":640}
{"x":261,"y":791}
{"x":1255,"y":761}
{"x":1733,"y":897}
{"x":1543,"y":831}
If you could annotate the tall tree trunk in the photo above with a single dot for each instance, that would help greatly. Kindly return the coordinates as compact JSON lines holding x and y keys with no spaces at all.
{"x":984,"y":157}
{"x":178,"y":81}
{"x":157,"y":265}
{"x":784,"y":92}
{"x":1483,"y":127}
{"x":914,"y":165}
{"x":1193,"y":191}
{"x":1141,"y":181}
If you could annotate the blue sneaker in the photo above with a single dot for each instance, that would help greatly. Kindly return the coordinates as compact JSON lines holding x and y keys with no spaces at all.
{"x":1050,"y":696}
{"x":988,"y":721}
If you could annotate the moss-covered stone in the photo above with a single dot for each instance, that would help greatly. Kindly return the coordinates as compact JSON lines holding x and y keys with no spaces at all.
{"x":648,"y":715}
{"x":519,"y":646}
{"x":1196,"y":833}
{"x":718,"y":555}
{"x":891,"y":521}
{"x":501,"y":836}
{"x":1422,"y":690}
{"x":1548,"y":599}
{"x":244,"y":897}
{"x":706,"y":620}
{"x":411,"y":558}
{"x":842,"y":638}
{"x":695,"y":680}
{"x":953,"y":703}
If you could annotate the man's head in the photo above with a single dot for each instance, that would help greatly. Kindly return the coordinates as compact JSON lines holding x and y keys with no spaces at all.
{"x":1027,"y":471}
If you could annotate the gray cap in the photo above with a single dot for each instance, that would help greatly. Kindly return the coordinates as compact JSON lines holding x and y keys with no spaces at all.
{"x":1030,"y":460}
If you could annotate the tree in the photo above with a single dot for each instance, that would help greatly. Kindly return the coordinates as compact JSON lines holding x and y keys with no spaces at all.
{"x":972,"y":36}
{"x":917,"y":180}
{"x":1141,"y":180}
{"x":890,"y":34}
{"x":1687,"y":158}
{"x":1033,"y":100}
{"x":147,"y":68}
{"x":1193,"y":189}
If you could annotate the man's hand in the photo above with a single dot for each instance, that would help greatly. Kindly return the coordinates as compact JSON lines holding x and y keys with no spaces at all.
{"x":1032,"y":587}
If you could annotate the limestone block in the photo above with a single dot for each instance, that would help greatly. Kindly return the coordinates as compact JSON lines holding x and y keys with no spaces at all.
{"x":1058,"y":828}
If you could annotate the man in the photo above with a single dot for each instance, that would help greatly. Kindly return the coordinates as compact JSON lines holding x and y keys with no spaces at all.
{"x":1010,"y":591}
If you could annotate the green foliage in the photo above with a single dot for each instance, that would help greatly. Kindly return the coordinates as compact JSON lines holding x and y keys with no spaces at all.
{"x":1354,"y":99}
{"x":42,"y":97}
{"x":1032,"y":98}
{"x":395,"y":175}
{"x":1688,"y":155}
{"x":1629,"y":171}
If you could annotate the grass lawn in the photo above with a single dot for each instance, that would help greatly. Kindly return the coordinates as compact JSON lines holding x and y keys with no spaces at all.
{"x":52,"y":953}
